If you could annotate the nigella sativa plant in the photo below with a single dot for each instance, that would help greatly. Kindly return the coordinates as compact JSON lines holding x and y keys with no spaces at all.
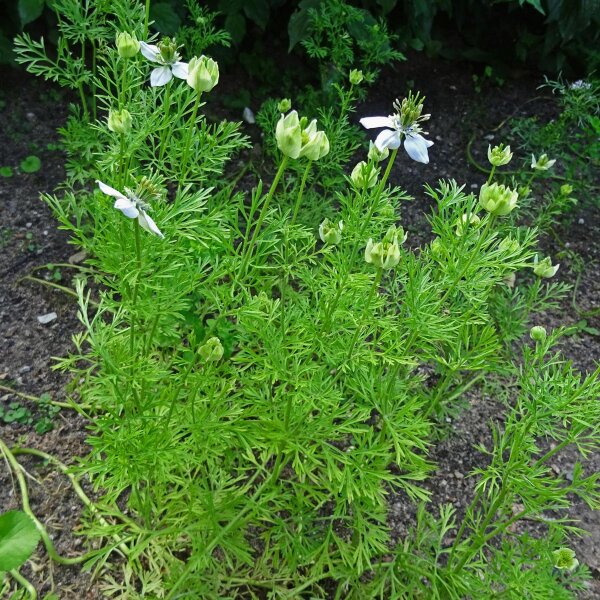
{"x":169,"y":60}
{"x":132,"y":207}
{"x":403,"y":124}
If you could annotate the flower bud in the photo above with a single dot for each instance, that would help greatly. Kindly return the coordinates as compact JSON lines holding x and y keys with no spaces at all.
{"x":497,"y":199}
{"x":564,"y":559}
{"x":566,"y":189}
{"x":119,"y":121}
{"x":127,"y":44}
{"x":462,"y":227}
{"x":543,"y":163}
{"x":544,"y":268}
{"x":285,"y":104}
{"x":509,"y":280}
{"x":316,"y":146}
{"x":203,"y":74}
{"x":510,"y":245}
{"x":523,"y":191}
{"x":356,"y":77}
{"x":377,"y":155}
{"x":211,"y":350}
{"x":538,"y":333}
{"x":288,"y":134}
{"x":385,"y":254}
{"x":364,"y":175}
{"x":436,"y":247}
{"x":330,"y":233}
{"x":499,"y":155}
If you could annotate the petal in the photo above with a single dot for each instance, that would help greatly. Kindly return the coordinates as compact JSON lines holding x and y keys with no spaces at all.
{"x":147,"y":223}
{"x":387,"y":139}
{"x":180,"y":70}
{"x":127,"y":207}
{"x":374,"y":122}
{"x":108,"y":190}
{"x":160,"y":76}
{"x":416,"y":147}
{"x":149,"y":51}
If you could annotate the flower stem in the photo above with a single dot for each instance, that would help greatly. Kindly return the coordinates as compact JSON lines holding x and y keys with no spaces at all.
{"x":359,"y":240}
{"x":248,"y":246}
{"x":188,"y":141}
{"x":363,"y":318}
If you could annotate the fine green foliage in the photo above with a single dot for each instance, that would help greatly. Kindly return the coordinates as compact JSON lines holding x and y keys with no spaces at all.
{"x":265,"y":365}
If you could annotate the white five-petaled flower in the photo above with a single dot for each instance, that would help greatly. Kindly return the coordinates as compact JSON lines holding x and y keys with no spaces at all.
{"x":391,"y":137}
{"x":169,"y":61}
{"x":131,"y":206}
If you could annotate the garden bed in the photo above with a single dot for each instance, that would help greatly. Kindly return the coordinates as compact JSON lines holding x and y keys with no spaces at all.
{"x":30,"y":240}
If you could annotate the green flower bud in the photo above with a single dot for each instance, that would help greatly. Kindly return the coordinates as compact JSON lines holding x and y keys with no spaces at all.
{"x":497,"y":199}
{"x":462,"y":227}
{"x":211,"y":350}
{"x":316,"y":145}
{"x":203,"y":74}
{"x":127,"y":44}
{"x":523,"y":191}
{"x":364,"y":175}
{"x":543,"y":163}
{"x":284,"y":105}
{"x":330,"y":233}
{"x":499,"y":155}
{"x":356,"y":77}
{"x":566,"y":189}
{"x":544,"y":268}
{"x":385,"y":254}
{"x":436,"y":247}
{"x":119,"y":121}
{"x":377,"y":155}
{"x":288,"y":134}
{"x":538,"y":333}
{"x":509,"y":244}
{"x":564,"y":559}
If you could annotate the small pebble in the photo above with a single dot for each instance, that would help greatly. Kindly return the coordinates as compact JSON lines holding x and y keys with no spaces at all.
{"x":581,"y":221}
{"x":25,"y":369}
{"x":28,"y":224}
{"x":248,"y":116}
{"x":47,"y":318}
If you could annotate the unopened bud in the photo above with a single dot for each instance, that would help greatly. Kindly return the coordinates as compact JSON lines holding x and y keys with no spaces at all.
{"x":538,"y":333}
{"x":127,"y":44}
{"x":497,"y":199}
{"x":331,"y":233}
{"x":377,"y":155}
{"x":288,"y":134}
{"x":119,"y":121}
{"x":364,"y":175}
{"x":466,"y":222}
{"x":211,"y":350}
{"x":544,"y":267}
{"x":203,"y":74}
{"x":284,"y":105}
{"x":356,"y":77}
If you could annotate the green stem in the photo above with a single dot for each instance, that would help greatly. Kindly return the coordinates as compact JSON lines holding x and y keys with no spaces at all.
{"x":248,"y":246}
{"x":37,"y":400}
{"x":359,"y":241}
{"x":188,"y":140}
{"x":18,"y":472}
{"x":78,"y":489}
{"x":482,"y":237}
{"x":493,"y":170}
{"x":146,"y":19}
{"x":358,"y":329}
{"x":300,"y":193}
{"x":24,"y":583}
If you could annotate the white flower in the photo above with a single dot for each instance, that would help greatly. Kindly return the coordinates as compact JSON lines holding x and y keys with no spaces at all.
{"x":131,"y":206}
{"x":166,"y":55}
{"x":543,"y":163}
{"x":391,"y":137}
{"x":580,"y":84}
